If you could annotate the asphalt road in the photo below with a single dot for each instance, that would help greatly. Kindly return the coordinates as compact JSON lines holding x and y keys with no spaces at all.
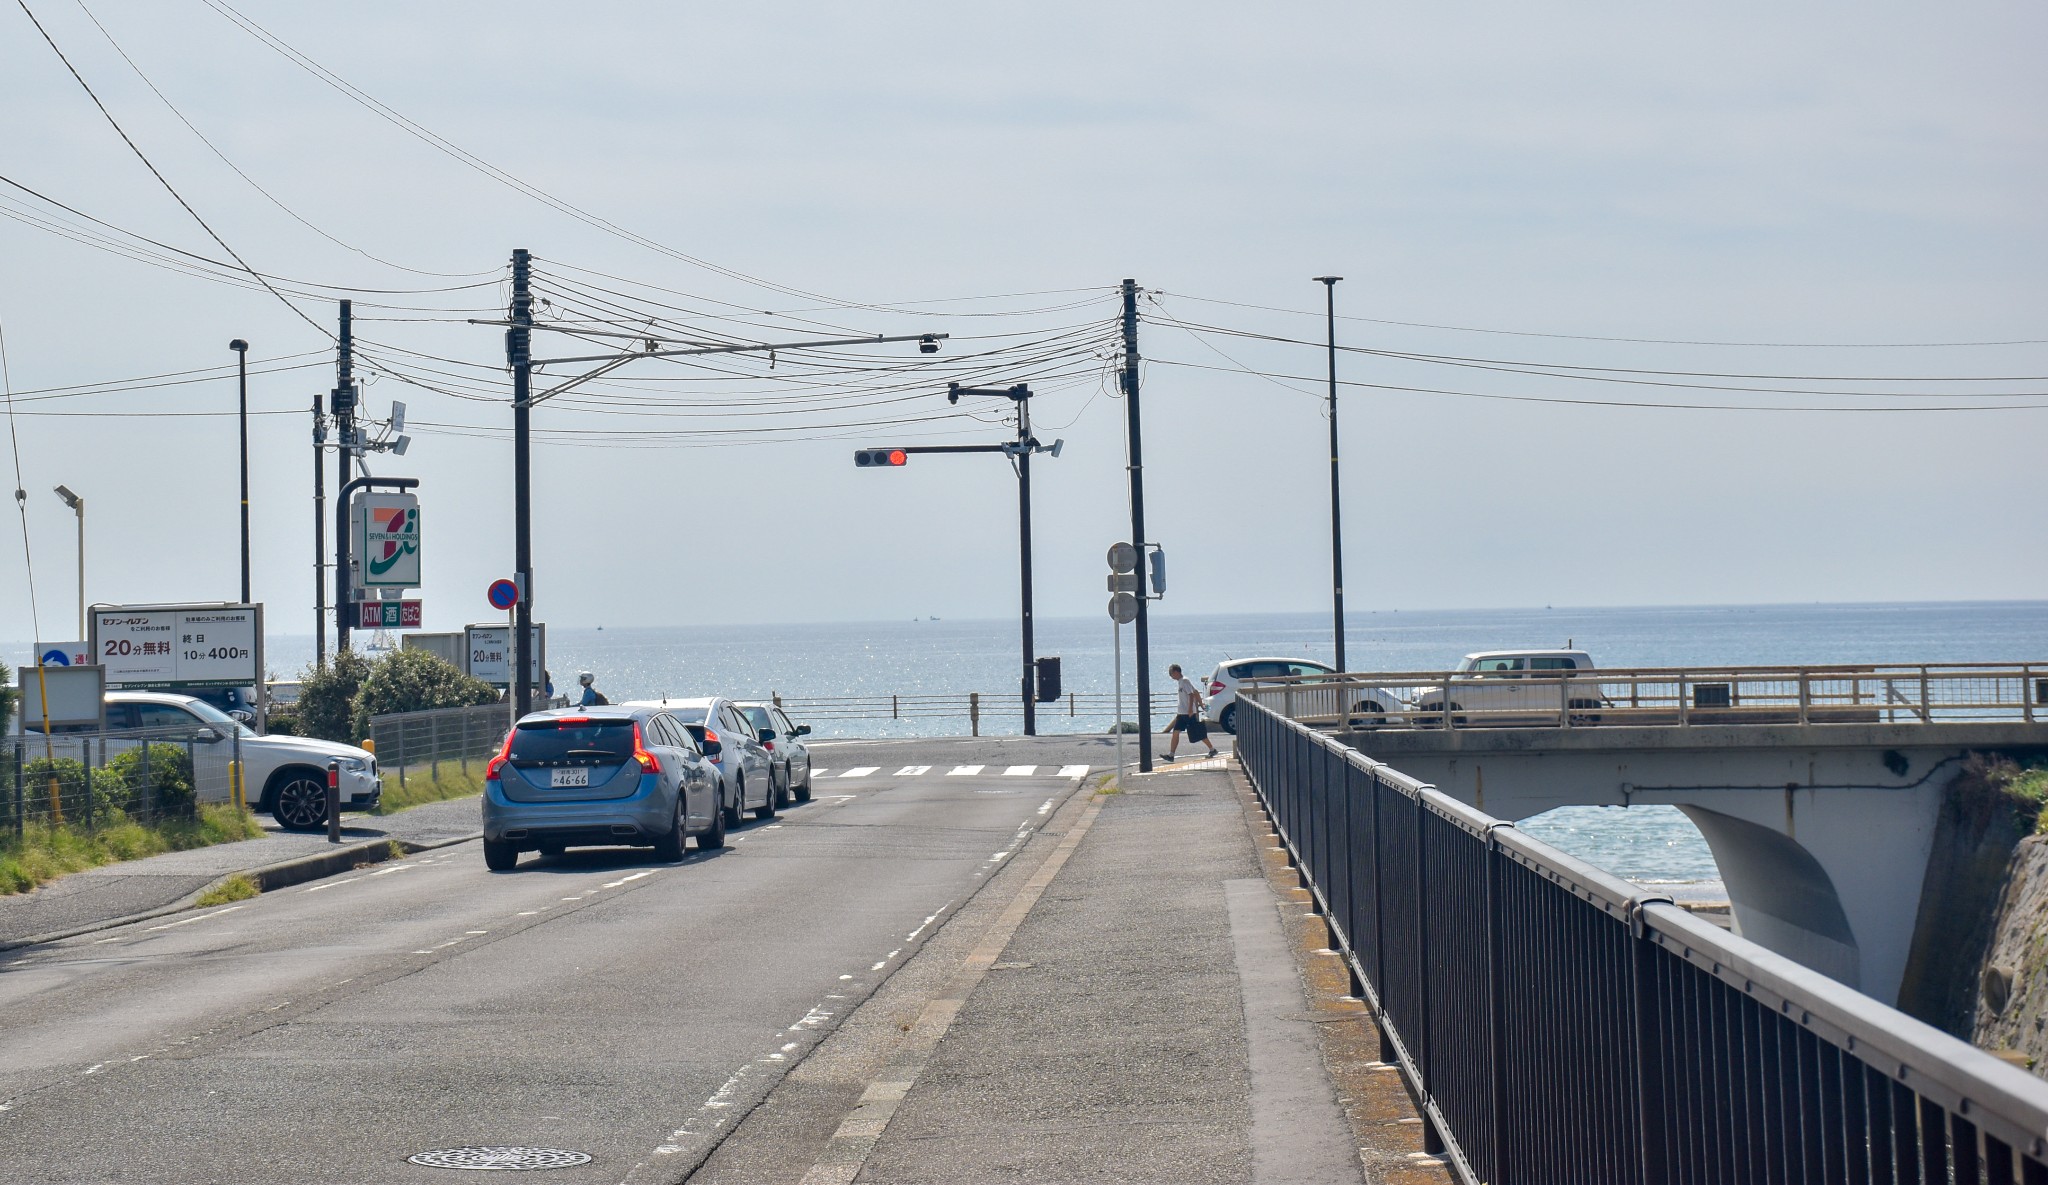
{"x":600,"y":1002}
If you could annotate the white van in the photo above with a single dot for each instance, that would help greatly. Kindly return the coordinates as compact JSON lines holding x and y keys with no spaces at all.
{"x":1514,"y":687}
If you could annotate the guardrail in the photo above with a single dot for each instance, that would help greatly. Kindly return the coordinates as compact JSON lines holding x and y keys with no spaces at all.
{"x":972,"y":706}
{"x":93,"y":780}
{"x":1664,"y":696}
{"x":1558,"y":1024}
{"x":404,"y":740}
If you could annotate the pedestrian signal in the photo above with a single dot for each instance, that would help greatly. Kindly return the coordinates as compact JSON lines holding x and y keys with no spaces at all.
{"x":880,"y":456}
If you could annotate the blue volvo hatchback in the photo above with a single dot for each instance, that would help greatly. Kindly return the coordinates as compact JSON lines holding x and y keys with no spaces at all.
{"x":599,"y":777}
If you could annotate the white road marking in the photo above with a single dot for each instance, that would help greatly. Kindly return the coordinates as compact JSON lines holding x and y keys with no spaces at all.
{"x":334,"y":884}
{"x":964,"y":771}
{"x":913,"y":771}
{"x":1073,"y":771}
{"x":860,"y":771}
{"x":390,"y":870}
{"x":819,"y":773}
{"x":202,"y":917}
{"x":1046,"y":807}
{"x":1020,"y":771}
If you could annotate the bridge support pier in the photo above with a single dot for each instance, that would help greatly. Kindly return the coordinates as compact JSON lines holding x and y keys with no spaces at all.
{"x":1822,"y":832}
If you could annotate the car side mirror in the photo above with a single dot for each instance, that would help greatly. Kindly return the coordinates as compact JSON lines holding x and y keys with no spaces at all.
{"x":207,"y":736}
{"x":767,"y":734}
{"x":803,"y":730}
{"x":712,"y":748}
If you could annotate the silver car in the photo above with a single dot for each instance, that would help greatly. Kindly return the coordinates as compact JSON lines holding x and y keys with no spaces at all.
{"x":606,"y":776}
{"x":784,"y":742}
{"x":746,"y":772}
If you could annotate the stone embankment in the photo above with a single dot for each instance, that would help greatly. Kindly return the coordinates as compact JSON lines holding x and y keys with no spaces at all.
{"x":2012,"y":996}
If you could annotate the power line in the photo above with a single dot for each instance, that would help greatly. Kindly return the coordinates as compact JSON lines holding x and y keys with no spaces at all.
{"x":1589,"y":337}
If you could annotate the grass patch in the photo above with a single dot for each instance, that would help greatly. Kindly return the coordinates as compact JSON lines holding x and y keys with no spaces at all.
{"x":438,"y":782}
{"x":44,"y":853}
{"x":235,"y":888}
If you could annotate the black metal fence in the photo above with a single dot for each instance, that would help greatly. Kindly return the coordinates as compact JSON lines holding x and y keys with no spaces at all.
{"x":1560,"y":1026}
{"x":93,"y":780}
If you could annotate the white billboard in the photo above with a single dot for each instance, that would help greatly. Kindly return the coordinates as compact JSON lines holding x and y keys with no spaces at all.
{"x":179,"y":645}
{"x":489,"y":650}
{"x":76,"y":695}
{"x":387,"y":541}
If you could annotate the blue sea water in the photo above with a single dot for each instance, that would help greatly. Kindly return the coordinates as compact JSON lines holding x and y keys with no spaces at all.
{"x":914,"y":657}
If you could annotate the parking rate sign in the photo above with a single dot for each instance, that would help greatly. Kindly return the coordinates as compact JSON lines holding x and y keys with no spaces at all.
{"x":179,"y":646}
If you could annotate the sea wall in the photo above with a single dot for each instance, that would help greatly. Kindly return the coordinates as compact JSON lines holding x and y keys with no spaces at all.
{"x":2012,"y":1000}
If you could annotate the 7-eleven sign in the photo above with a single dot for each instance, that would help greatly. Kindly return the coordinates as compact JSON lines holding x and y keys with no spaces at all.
{"x":387,"y":541}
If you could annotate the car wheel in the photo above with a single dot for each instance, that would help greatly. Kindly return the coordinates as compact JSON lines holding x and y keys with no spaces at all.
{"x":1229,"y":719}
{"x":669,"y":848}
{"x":300,"y":803}
{"x":782,"y":794}
{"x":803,"y":792}
{"x":1368,"y":713}
{"x":500,"y":856}
{"x":733,"y":809}
{"x":1583,"y":712}
{"x":767,"y":808}
{"x":713,"y":838}
{"x":553,"y":849}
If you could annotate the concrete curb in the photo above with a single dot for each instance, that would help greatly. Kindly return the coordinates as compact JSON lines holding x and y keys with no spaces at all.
{"x":268,"y":877}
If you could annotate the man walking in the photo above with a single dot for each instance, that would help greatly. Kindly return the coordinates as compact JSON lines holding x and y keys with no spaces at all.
{"x":1187,"y":715}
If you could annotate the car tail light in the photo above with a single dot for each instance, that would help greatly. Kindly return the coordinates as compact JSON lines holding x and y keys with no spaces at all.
{"x":498,"y":762}
{"x":1215,"y":687}
{"x":648,"y":761}
{"x":768,"y":745}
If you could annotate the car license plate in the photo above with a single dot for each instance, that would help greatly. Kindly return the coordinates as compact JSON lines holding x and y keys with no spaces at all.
{"x":569,"y":777}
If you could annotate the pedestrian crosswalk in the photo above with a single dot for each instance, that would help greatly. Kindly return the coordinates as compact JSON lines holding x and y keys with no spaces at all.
{"x":958,"y":771}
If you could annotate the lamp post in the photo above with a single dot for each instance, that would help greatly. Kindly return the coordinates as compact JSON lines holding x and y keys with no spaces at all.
{"x":241,"y":349}
{"x":1329,"y":284}
{"x":77,"y":504}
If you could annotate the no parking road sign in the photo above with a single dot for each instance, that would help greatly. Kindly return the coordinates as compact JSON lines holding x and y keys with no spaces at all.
{"x":503,"y":594}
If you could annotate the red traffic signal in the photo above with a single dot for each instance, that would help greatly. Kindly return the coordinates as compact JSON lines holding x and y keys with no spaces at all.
{"x":880,"y":456}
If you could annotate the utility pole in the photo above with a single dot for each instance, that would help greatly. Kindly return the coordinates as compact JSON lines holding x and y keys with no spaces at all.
{"x":241,"y":349}
{"x":1329,"y":284}
{"x":1024,"y":442}
{"x":1134,"y":444}
{"x":342,"y":405}
{"x":319,"y":536}
{"x":519,"y":356}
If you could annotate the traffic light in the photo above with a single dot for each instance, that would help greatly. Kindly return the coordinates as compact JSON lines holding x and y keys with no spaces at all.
{"x":880,"y":456}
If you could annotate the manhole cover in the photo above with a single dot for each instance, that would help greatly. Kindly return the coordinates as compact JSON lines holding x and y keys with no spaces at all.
{"x":511,"y":1160}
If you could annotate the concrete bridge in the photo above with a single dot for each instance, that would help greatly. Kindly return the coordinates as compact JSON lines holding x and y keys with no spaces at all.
{"x":1819,"y":790}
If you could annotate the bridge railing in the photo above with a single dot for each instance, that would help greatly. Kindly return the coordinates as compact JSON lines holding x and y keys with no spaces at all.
{"x":1559,"y":1024}
{"x":1663,"y":696}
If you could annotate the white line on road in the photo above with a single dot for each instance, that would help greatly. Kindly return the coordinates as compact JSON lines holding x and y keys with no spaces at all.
{"x":1020,"y":771}
{"x":964,"y":771}
{"x":860,"y":771}
{"x":1046,"y":807}
{"x":913,"y":771}
{"x":334,"y":884}
{"x":202,"y":917}
{"x":390,"y":870}
{"x":1073,"y":771}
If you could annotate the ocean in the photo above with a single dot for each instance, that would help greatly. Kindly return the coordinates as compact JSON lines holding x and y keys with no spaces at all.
{"x":1652,"y":844}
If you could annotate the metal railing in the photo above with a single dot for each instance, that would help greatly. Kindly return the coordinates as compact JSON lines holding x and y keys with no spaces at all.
{"x":1560,"y":1025}
{"x":1664,"y":696}
{"x":971,"y":706}
{"x":405,"y":741}
{"x":94,"y":780}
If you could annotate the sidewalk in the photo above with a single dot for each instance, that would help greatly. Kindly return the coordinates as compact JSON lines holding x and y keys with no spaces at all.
{"x":1125,"y":1003}
{"x":101,"y":896}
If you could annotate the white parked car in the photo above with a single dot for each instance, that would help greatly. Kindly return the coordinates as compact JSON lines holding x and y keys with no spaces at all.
{"x":1515,"y":687}
{"x":1374,"y":706}
{"x":284,"y":775}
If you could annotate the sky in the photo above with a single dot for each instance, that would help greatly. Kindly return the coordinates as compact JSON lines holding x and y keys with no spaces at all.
{"x":1531,"y":207}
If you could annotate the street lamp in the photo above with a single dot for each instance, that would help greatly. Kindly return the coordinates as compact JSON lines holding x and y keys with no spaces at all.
{"x":1329,"y":284}
{"x":77,"y":504}
{"x":241,"y":349}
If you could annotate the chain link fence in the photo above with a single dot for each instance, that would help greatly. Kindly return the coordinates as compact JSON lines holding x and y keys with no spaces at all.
{"x":419,"y":743}
{"x":100,"y":779}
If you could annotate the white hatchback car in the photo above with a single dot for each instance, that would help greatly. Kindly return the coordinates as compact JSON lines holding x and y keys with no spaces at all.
{"x":1376,"y":705}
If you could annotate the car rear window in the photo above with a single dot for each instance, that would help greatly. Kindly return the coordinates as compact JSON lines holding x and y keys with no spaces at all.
{"x":577,"y":742}
{"x":688,"y":715}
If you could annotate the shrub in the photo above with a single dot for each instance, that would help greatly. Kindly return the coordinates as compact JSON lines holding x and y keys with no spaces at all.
{"x":415,"y":681}
{"x":167,"y":792}
{"x":327,"y":697}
